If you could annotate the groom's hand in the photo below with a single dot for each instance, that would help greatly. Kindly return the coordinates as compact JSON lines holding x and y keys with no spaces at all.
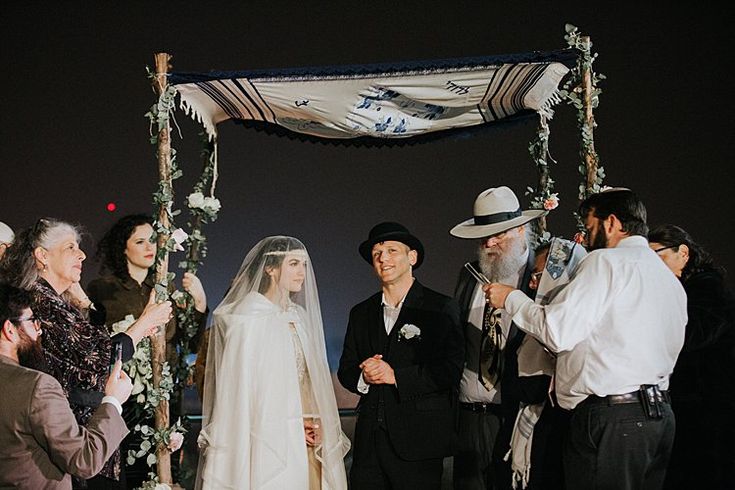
{"x":376,"y":371}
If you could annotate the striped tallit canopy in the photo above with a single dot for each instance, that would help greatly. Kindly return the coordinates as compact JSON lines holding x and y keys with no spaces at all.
{"x":386,"y":102}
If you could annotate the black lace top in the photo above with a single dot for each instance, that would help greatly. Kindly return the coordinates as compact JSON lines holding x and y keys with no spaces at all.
{"x":77,"y":354}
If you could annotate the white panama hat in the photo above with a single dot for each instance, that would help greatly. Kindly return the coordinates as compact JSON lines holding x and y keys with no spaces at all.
{"x":496,"y":210}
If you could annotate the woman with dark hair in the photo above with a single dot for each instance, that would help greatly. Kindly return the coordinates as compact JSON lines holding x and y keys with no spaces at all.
{"x":269,"y":415}
{"x":47,"y":261}
{"x":128,"y":252}
{"x":701,"y":386}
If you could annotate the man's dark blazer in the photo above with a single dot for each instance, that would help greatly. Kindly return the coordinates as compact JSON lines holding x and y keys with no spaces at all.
{"x":418,"y":413}
{"x":513,"y":390}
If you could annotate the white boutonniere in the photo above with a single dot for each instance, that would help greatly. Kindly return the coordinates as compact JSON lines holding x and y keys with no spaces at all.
{"x":409,"y":331}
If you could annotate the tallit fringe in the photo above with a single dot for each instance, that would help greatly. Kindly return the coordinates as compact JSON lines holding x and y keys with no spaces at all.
{"x":195,"y":114}
{"x":546,"y":108}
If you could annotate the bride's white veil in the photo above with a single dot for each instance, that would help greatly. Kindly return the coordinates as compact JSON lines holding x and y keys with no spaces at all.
{"x":244,"y":309}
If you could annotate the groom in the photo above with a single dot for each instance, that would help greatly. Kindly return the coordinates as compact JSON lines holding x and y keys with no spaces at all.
{"x":403,"y":354}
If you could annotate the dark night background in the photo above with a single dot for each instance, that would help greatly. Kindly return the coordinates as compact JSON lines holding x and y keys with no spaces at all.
{"x":75,"y":91}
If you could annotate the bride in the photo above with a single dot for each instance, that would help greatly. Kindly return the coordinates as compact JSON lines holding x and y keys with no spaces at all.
{"x":270,"y":418}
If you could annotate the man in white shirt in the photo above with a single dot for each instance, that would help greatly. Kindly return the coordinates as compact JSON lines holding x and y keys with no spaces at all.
{"x":617,"y":328}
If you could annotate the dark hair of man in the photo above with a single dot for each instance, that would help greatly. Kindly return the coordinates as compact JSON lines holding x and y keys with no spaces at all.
{"x":623,"y":203}
{"x":673,"y":236}
{"x":111,"y":248}
{"x":12,"y":302}
{"x":542,"y":248}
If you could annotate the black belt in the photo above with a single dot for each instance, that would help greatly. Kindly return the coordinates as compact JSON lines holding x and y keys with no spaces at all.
{"x":480,"y":407}
{"x":632,"y":397}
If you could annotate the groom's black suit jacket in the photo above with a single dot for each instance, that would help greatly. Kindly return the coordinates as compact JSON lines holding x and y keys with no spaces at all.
{"x":418,"y":413}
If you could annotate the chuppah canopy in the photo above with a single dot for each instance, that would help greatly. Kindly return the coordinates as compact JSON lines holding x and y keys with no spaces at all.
{"x":378,"y":103}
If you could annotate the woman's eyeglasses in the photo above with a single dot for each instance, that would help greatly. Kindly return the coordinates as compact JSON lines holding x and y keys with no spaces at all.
{"x":659,"y":250}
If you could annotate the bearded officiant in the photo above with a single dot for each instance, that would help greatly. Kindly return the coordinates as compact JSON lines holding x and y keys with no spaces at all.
{"x":490,"y":391}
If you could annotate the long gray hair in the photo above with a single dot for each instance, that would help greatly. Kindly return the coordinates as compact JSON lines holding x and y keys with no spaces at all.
{"x":18,"y":266}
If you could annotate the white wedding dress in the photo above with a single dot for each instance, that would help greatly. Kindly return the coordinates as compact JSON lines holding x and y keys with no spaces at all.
{"x":261,"y":357}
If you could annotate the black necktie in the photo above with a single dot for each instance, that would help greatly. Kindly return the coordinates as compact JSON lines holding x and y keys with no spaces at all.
{"x":491,"y":355}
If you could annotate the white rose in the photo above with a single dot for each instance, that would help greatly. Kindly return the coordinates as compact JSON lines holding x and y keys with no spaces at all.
{"x":212,"y":204}
{"x":196,"y":200}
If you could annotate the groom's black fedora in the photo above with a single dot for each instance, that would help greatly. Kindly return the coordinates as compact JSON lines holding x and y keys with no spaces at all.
{"x":391,"y":231}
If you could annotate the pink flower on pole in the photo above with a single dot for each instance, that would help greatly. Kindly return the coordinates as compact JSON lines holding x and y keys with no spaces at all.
{"x":551,"y":202}
{"x":179,"y":236}
{"x":176,"y":439}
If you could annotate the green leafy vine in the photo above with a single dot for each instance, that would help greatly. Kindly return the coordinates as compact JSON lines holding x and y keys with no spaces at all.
{"x":543,"y":196}
{"x":202,"y":210}
{"x":159,"y":116}
{"x":573,"y":92}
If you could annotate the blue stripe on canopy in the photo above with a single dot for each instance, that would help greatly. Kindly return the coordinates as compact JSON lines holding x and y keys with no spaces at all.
{"x":378,"y":103}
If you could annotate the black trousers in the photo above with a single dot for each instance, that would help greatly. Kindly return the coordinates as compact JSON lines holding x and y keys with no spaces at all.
{"x":376,"y":466}
{"x":475,"y":468}
{"x":617,"y":447}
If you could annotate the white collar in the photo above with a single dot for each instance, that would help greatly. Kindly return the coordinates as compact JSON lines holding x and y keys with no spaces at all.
{"x":383,"y":302}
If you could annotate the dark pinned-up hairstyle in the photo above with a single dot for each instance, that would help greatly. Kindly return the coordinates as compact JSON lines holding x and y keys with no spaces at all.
{"x":111,"y":248}
{"x":674,"y":236}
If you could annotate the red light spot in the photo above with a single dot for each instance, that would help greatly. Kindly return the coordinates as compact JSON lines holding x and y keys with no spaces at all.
{"x":111,"y":206}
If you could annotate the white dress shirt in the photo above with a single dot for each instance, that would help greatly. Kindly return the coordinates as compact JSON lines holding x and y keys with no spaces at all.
{"x":390,"y":316}
{"x":471,"y":390}
{"x":618,"y":324}
{"x":390,"y":313}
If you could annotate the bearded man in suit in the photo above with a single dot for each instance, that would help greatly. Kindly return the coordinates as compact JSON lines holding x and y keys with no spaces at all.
{"x":490,"y":389}
{"x":403,"y":354}
{"x":41,"y":444}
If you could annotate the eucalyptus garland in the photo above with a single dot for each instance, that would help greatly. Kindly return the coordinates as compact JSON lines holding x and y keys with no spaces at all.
{"x":544,"y":196}
{"x":573,"y":93}
{"x":147,"y":398}
{"x":160,"y":115}
{"x":202,"y":210}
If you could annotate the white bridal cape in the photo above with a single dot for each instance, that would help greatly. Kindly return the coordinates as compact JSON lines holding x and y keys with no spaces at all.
{"x":252,"y":433}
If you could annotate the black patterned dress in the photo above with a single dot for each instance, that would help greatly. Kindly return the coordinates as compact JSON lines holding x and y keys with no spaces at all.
{"x":77,"y":354}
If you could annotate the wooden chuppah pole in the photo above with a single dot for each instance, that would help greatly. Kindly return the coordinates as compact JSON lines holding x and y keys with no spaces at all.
{"x":158,"y":341}
{"x":591,"y":160}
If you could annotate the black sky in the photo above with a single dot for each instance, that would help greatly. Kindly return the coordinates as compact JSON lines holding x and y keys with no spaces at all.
{"x":74,"y":92}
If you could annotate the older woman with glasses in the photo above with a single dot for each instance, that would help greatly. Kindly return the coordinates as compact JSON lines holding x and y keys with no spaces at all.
{"x":47,"y":261}
{"x":701,"y":385}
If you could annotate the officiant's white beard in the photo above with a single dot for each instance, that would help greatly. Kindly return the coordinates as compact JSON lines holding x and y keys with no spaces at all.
{"x":498,"y":265}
